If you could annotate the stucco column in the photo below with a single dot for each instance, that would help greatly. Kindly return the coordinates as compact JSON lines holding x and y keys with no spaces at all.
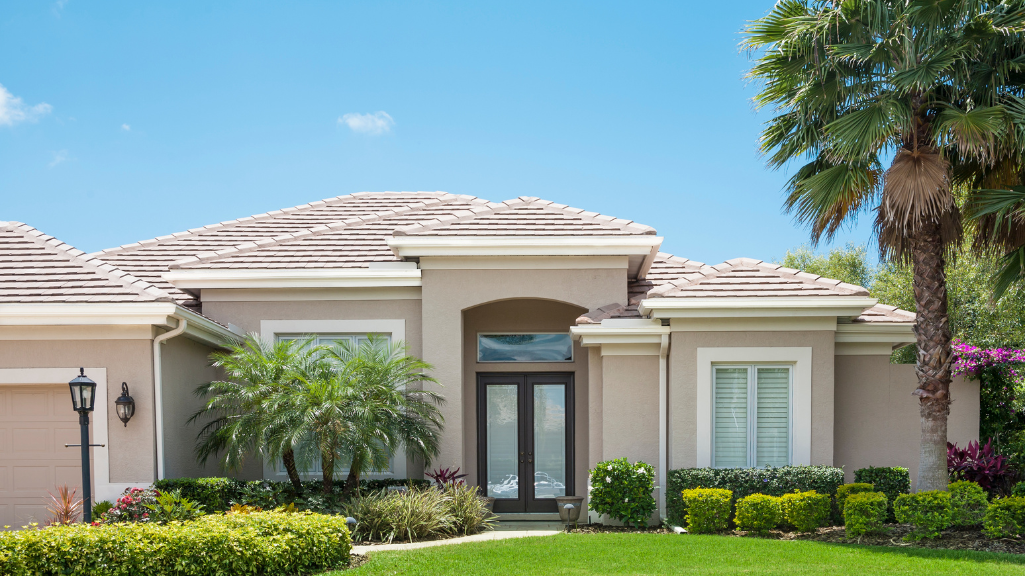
{"x":442,"y":347}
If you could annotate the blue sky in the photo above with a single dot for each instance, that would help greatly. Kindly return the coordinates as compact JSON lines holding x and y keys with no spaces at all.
{"x":121,"y":121}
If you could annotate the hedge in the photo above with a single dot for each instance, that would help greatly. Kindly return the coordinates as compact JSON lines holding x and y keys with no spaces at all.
{"x":864,"y":513}
{"x":746,"y":481}
{"x":1005,"y":518}
{"x":218,"y":494}
{"x":214,"y":545}
{"x":708,"y":509}
{"x":892,"y":481}
{"x":929,"y":512}
{"x":758,"y":513}
{"x":806,"y":511}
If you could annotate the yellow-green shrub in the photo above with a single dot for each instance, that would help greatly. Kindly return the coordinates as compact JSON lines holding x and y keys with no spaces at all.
{"x":805,"y":511}
{"x":258,"y":543}
{"x":1005,"y":518}
{"x":968,"y":503}
{"x":847,"y":489}
{"x":864,"y":513}
{"x":708,"y":509}
{"x":929,"y":512}
{"x":758,"y":513}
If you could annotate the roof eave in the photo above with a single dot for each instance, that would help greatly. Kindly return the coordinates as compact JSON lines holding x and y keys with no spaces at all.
{"x":755,"y":307}
{"x":580,"y":245}
{"x":293,"y":278}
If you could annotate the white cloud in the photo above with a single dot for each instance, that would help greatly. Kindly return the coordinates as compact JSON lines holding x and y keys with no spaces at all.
{"x":58,"y":7}
{"x":58,"y":158}
{"x":126,"y":127}
{"x":14,"y":111}
{"x":375,"y":123}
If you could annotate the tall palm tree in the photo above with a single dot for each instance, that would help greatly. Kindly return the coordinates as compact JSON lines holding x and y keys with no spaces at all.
{"x":931,"y":87}
{"x":366,"y":408}
{"x":255,"y":370}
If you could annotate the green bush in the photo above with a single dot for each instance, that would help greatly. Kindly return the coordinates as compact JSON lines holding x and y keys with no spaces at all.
{"x":1005,"y":518}
{"x":218,"y":494}
{"x":846,"y":490}
{"x":708,"y":509}
{"x":1019,"y":490}
{"x":259,"y":543}
{"x":172,"y":506}
{"x":468,"y":509}
{"x":412,"y":515}
{"x":806,"y":511}
{"x":864,"y":513}
{"x":758,"y":513}
{"x":929,"y":512}
{"x":100,"y":507}
{"x":746,"y":481}
{"x":892,"y":481}
{"x":968,"y":502}
{"x":623,"y":491}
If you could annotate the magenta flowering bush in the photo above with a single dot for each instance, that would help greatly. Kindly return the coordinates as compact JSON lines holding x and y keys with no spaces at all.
{"x":132,"y":506}
{"x":972,"y":361}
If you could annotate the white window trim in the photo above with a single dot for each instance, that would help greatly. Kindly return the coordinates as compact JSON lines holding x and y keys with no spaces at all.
{"x":572,"y":352}
{"x":799,"y":357}
{"x":752,"y":412}
{"x":103,"y":488}
{"x":269,"y":329}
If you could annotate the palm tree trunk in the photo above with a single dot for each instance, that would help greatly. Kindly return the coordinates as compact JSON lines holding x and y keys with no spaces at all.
{"x":351,"y":482}
{"x":932,"y":333}
{"x":288,"y":459}
{"x":327,"y":462}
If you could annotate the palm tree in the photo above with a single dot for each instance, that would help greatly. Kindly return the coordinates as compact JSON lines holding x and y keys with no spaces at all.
{"x":931,"y":87}
{"x":255,"y":370}
{"x":360,"y":412}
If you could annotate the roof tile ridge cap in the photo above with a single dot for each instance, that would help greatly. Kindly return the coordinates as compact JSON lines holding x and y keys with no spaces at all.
{"x":487,"y":207}
{"x":815,"y":279}
{"x":254,"y":245}
{"x":108,"y":271}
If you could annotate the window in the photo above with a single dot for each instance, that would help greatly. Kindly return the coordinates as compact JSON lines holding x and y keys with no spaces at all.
{"x":330,"y":339}
{"x":751,"y":416}
{"x":524,"y":348}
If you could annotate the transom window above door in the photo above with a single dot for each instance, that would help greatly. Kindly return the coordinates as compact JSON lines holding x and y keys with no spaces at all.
{"x":331,"y":339}
{"x":751,"y":415}
{"x":535,"y":347}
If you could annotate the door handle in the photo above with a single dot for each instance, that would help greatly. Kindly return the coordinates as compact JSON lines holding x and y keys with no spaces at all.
{"x":529,"y":460}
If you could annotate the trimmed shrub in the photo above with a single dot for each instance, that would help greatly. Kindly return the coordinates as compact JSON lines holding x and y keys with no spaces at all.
{"x":929,"y":512}
{"x":218,"y":494}
{"x":805,"y":511}
{"x":864,"y":513}
{"x":968,"y":503}
{"x":892,"y":481}
{"x":1005,"y":518}
{"x":846,"y":490}
{"x":623,"y":491}
{"x":746,"y":481}
{"x":1019,"y":490}
{"x":708,"y":509}
{"x":758,"y":513}
{"x":260,"y":543}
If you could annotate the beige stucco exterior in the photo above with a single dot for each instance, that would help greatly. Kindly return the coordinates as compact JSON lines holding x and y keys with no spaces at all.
{"x":877,"y":422}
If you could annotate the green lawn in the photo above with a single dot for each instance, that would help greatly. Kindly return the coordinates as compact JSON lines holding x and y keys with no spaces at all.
{"x":675,"y":554}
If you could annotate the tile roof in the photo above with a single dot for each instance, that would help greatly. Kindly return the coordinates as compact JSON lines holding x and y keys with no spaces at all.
{"x":36,"y":268}
{"x":745,"y":277}
{"x":884,"y":313}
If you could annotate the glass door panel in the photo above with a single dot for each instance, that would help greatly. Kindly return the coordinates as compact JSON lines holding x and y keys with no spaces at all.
{"x":549,"y":440}
{"x":502,"y":430}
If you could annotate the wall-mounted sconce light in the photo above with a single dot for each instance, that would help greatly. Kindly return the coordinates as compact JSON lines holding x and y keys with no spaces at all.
{"x":125,"y":405}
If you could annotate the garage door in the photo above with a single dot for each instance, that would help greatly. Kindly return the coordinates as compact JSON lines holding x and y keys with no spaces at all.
{"x":35,"y":423}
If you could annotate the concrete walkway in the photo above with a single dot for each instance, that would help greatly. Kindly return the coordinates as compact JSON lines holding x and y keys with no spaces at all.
{"x":501,"y":532}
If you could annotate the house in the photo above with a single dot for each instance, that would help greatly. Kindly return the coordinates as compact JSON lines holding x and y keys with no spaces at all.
{"x":560,"y":337}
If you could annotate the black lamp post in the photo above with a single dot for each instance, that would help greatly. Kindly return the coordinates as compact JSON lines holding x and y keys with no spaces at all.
{"x":83,"y":399}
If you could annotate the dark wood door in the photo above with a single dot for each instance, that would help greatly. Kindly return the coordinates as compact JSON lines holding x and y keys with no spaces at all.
{"x":525,"y":439}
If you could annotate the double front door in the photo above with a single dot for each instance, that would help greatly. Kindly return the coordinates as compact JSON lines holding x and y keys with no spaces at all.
{"x":525,"y":439}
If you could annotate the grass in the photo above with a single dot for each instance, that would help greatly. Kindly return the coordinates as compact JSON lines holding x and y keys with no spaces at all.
{"x":580,"y":554}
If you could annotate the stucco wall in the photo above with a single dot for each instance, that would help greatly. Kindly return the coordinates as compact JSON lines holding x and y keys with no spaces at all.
{"x":877,"y":422}
{"x":683,"y":386}
{"x":132,"y":449}
{"x":523,"y":316}
{"x":447,"y":293}
{"x":629,"y":425}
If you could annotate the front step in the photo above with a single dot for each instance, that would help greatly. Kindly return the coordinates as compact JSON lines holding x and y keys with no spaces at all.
{"x":529,"y":517}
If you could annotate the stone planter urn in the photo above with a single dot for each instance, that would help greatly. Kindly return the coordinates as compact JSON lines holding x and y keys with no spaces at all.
{"x":569,"y":509}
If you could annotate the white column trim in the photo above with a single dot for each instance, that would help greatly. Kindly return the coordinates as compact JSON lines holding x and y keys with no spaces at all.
{"x":103,"y":488}
{"x":800,"y":357}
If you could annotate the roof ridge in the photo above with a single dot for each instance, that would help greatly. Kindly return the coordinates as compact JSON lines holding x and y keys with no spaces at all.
{"x":253,"y":245}
{"x":264,"y":215}
{"x":496,"y":207}
{"x":87,"y":261}
{"x":734,"y":263}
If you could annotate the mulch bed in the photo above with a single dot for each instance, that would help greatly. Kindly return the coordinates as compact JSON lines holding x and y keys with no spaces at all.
{"x":949,"y":539}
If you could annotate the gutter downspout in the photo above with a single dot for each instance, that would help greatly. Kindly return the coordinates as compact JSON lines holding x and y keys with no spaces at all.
{"x":663,"y":424}
{"x":158,"y":390}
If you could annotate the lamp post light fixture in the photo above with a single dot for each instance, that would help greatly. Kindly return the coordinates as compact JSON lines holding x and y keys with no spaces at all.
{"x":83,"y":399}
{"x":125,"y":405}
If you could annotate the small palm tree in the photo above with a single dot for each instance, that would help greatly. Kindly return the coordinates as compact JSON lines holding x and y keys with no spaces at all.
{"x":255,"y":369}
{"x":934,"y":89}
{"x":360,"y":413}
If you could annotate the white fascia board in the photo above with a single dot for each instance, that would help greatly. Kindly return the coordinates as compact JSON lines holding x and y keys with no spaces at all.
{"x":755,"y":307}
{"x":620,"y":332}
{"x":86,"y":313}
{"x":292,"y":278}
{"x":881,"y":332}
{"x":625,"y":245}
{"x":205,"y":330}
